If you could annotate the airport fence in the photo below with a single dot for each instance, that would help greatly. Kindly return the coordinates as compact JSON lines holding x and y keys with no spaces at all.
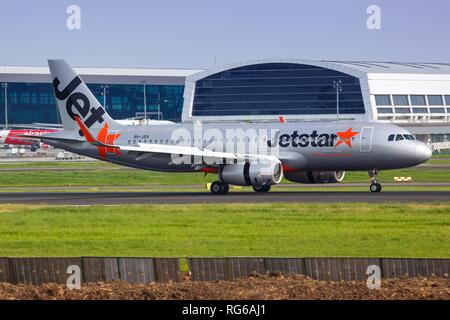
{"x":142,"y":270}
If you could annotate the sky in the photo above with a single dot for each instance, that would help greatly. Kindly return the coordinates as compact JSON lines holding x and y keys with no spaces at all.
{"x":204,"y":33}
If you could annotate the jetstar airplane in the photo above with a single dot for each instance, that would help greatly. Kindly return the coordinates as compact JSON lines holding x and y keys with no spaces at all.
{"x":305,"y":152}
{"x":22,"y":136}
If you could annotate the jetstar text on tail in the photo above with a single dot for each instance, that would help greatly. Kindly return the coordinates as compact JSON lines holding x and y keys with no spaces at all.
{"x":79,"y":102}
{"x":315,"y":139}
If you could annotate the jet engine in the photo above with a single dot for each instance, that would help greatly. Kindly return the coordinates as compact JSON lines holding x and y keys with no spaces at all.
{"x":315,"y":176}
{"x":256,"y":174}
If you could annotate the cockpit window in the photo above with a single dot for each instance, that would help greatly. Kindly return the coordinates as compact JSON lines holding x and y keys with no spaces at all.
{"x":399,"y":137}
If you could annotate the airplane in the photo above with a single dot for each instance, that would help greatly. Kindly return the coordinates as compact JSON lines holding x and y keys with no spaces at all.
{"x":303,"y":152}
{"x":21,"y":137}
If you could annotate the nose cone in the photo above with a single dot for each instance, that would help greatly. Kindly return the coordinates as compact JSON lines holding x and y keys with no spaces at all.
{"x":423,"y":153}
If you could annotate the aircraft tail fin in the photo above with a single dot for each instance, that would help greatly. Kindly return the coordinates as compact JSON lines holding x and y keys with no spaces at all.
{"x":74,"y":98}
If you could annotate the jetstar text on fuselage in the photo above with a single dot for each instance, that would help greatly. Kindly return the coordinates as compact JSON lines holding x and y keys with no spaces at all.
{"x":314,"y":139}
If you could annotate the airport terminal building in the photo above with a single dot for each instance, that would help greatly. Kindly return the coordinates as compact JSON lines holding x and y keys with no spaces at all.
{"x":412,"y":95}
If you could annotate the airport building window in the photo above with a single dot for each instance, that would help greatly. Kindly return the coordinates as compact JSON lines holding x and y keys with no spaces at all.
{"x":437,"y":110}
{"x":420,"y":110}
{"x":435,"y":100}
{"x":402,"y":110}
{"x":418,"y":100}
{"x":30,"y":103}
{"x":383,"y":100}
{"x":276,"y":88}
{"x":384,"y":110}
{"x":400,"y":100}
{"x":447,"y":100}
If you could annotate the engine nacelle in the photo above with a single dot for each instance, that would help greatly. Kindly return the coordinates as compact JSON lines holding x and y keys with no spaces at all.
{"x":246,"y":174}
{"x":315,"y":176}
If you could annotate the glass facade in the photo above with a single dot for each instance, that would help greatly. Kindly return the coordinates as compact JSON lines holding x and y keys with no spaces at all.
{"x":447,"y":100}
{"x":383,"y":100}
{"x":435,"y":100}
{"x":35,"y":103}
{"x":437,"y":110}
{"x":418,"y":100}
{"x":400,"y":100}
{"x":384,"y":110}
{"x":277,"y":88}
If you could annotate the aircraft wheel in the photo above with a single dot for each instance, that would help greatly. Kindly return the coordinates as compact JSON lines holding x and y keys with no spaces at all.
{"x":218,"y":187}
{"x":375,"y":187}
{"x":261,"y":188}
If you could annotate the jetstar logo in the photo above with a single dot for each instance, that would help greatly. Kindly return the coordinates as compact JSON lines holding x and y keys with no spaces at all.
{"x":77,"y":103}
{"x":105,"y":140}
{"x":315,"y":139}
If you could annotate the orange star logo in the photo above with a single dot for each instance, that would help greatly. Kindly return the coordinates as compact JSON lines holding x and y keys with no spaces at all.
{"x":105,"y":137}
{"x":345,"y":137}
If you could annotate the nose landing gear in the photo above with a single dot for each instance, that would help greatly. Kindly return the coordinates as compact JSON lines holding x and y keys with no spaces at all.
{"x":374,"y":185}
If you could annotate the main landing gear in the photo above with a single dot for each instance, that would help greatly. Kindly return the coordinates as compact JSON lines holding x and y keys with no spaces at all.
{"x":261,"y":188}
{"x":374,"y":185}
{"x":218,"y":187}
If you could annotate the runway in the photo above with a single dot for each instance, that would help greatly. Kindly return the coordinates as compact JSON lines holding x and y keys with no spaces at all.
{"x":116,"y":198}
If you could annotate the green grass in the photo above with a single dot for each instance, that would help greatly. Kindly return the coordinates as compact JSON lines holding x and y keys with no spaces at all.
{"x":294,"y":229}
{"x":58,"y":164}
{"x":440,"y":161}
{"x":122,"y":177}
{"x":442,"y":155}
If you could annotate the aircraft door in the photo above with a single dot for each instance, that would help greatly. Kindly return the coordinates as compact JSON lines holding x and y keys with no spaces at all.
{"x":366,"y":139}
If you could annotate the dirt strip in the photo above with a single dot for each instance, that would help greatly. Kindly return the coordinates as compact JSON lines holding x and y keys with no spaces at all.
{"x":270,"y":287}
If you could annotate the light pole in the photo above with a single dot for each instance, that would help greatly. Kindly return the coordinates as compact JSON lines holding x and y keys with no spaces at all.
{"x":5,"y":87}
{"x":145,"y":102}
{"x":159,"y":103}
{"x":104,"y":87}
{"x":338,"y":86}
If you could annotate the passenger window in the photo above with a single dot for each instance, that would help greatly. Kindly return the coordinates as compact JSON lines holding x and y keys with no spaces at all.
{"x":399,"y":137}
{"x":391,"y":137}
